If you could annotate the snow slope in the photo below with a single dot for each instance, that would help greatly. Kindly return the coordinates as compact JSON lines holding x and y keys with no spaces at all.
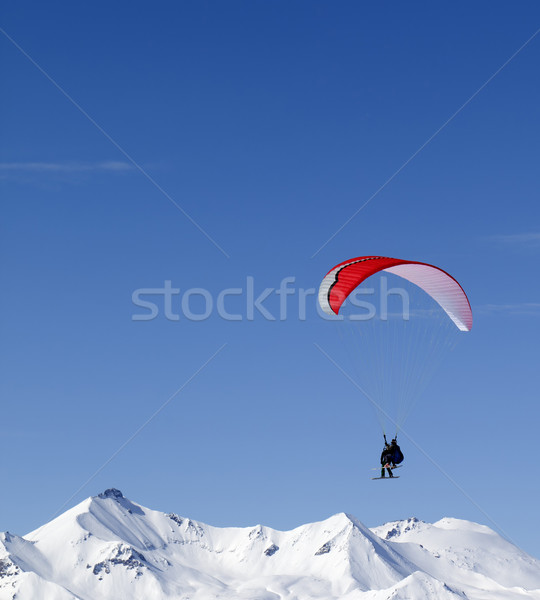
{"x":108,"y":547}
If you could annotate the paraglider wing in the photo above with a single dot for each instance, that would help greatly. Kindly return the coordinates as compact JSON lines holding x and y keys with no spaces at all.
{"x":340,"y":281}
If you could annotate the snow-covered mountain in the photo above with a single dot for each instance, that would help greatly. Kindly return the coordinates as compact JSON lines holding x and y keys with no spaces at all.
{"x":109,"y":548}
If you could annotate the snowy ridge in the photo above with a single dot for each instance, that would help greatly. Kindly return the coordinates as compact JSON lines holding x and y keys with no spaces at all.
{"x":108,"y":547}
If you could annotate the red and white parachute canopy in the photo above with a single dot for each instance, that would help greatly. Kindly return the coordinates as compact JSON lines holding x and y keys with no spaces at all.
{"x":340,"y":281}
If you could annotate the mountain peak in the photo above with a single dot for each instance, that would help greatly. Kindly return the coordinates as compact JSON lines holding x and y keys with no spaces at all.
{"x":395,"y":529}
{"x":111,"y":493}
{"x":343,"y":519}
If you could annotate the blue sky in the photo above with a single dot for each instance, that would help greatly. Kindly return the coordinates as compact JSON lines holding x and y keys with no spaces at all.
{"x":270,"y":124}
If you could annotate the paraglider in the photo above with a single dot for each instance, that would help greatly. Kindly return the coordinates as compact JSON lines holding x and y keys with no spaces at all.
{"x":387,"y":459}
{"x":391,"y":457}
{"x":397,"y":353}
{"x":340,"y":281}
{"x":397,"y":454}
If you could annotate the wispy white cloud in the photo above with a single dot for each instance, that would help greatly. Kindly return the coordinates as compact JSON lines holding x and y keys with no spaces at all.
{"x":519,"y":308}
{"x":64,"y":167}
{"x":517,"y":239}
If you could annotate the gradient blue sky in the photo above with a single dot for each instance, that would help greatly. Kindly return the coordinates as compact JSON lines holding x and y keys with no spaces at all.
{"x":270,"y":124}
